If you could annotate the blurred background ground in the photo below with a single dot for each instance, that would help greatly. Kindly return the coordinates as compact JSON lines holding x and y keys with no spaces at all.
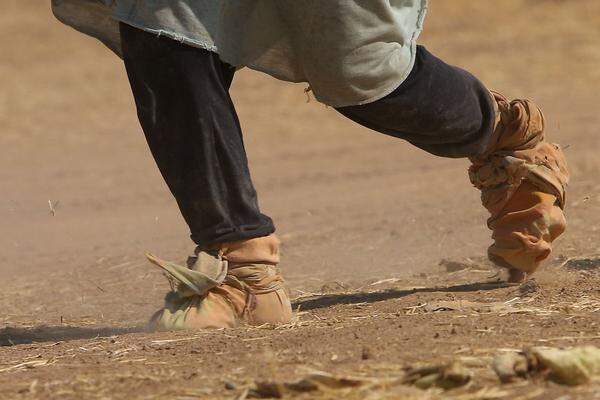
{"x":352,"y":206}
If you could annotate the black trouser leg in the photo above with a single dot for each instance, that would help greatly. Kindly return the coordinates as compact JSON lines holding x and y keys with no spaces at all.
{"x":190,"y":123}
{"x":440,"y":108}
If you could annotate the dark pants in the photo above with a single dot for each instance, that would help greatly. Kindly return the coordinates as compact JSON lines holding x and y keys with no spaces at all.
{"x":190,"y":123}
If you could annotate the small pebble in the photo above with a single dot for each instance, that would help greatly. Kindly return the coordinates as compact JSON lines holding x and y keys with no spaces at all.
{"x":230,"y":385}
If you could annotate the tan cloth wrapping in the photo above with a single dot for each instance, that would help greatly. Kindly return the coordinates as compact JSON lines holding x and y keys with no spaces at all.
{"x":259,"y":250}
{"x":523,"y":181}
{"x":215,"y":292}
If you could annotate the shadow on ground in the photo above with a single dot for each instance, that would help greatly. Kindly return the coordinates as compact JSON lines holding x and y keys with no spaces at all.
{"x":328,"y":300}
{"x":11,"y":336}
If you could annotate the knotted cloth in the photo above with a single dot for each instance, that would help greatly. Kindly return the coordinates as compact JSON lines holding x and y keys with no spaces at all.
{"x":523,"y":181}
{"x":213,"y":293}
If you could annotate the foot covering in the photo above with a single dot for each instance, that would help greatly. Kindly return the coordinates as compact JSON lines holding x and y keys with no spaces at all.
{"x":523,"y":180}
{"x":213,"y":292}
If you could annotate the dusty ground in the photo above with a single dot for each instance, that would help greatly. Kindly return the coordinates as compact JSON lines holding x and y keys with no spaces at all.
{"x":352,"y":206}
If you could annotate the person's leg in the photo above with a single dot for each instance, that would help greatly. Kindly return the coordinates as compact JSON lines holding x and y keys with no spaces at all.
{"x":188,"y":118}
{"x":192,"y":129}
{"x":448,"y":112}
{"x":439,"y":108}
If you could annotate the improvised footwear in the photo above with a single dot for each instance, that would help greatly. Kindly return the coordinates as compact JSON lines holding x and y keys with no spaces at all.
{"x":238,"y":283}
{"x":523,"y":180}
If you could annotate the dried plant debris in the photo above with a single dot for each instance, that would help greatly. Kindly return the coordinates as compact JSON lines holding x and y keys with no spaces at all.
{"x":334,"y":287}
{"x":513,"y":306}
{"x":463,"y":305}
{"x":569,"y":366}
{"x":324,"y":385}
{"x":445,"y":376}
{"x":510,"y":367}
{"x":574,"y":366}
{"x":316,"y":381}
{"x":529,"y":288}
{"x":475,"y":264}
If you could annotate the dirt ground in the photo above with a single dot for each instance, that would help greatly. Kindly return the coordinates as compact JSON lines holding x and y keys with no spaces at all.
{"x":366,"y":220}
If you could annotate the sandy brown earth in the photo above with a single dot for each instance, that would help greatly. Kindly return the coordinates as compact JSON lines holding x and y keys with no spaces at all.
{"x":366,"y":220}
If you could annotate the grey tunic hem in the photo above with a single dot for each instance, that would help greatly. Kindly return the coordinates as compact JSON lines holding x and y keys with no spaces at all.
{"x":350,"y":52}
{"x":171,"y":35}
{"x":381,"y":92}
{"x":389,"y":89}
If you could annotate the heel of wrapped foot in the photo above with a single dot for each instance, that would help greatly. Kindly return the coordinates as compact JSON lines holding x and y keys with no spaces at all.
{"x":524,"y":231}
